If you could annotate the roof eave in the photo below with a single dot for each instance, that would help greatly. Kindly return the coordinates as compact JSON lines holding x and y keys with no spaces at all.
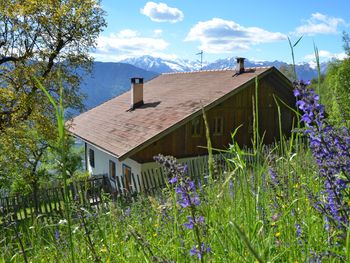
{"x":96,"y":146}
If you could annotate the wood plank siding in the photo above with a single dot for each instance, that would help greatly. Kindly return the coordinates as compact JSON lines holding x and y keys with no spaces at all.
{"x":234,"y":111}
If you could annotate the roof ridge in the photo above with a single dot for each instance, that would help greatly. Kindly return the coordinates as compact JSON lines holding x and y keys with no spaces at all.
{"x":195,"y":71}
{"x":212,"y":70}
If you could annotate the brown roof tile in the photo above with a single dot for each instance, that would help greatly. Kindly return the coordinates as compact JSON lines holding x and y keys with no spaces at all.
{"x":169,"y":99}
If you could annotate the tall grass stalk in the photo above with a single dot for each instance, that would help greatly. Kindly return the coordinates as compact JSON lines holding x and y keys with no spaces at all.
{"x":317,"y":57}
{"x":63,"y":149}
{"x":281,"y":141}
{"x":292,"y":46}
{"x":263,"y":231}
{"x":209,"y":146}
{"x":255,"y":102}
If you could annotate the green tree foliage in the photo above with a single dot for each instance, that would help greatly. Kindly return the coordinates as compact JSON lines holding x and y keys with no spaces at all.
{"x":36,"y":37}
{"x":346,"y":41}
{"x":335,"y":92}
{"x":338,"y":90}
{"x":49,"y":40}
{"x":21,"y":152}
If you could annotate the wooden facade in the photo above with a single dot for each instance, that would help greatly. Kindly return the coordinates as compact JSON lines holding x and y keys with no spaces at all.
{"x":232,"y":111}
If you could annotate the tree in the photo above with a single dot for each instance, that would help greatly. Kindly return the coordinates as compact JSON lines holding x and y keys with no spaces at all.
{"x":336,"y":91}
{"x":36,"y":38}
{"x":346,"y":41}
{"x":46,"y":40}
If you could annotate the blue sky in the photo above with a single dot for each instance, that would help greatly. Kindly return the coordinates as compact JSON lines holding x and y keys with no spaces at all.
{"x":254,"y":29}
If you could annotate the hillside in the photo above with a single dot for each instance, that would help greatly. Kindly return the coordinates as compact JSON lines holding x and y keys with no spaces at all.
{"x":108,"y":80}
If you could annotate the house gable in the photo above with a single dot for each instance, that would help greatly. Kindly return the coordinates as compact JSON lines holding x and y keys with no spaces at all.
{"x":235,"y":110}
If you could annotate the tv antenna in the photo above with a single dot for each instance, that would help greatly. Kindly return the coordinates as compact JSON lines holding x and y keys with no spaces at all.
{"x":201,"y":53}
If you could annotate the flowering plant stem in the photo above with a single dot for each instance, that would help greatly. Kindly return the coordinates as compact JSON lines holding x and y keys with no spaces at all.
{"x":62,"y":146}
{"x":292,"y":46}
{"x":210,"y":149}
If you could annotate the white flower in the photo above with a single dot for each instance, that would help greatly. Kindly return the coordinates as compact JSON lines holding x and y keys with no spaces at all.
{"x":62,"y":222}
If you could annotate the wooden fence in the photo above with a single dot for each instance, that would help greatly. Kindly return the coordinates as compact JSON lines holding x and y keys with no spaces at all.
{"x":49,"y":203}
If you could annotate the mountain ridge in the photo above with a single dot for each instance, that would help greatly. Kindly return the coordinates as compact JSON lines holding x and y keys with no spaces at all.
{"x":110,"y":79}
{"x":305,"y":71}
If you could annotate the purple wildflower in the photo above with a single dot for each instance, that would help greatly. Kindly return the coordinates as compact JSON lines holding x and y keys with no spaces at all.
{"x":298,"y":233}
{"x":191,"y":222}
{"x":171,"y":166}
{"x":187,"y":198}
{"x":275,"y":217}
{"x":127,"y":211}
{"x":199,"y":252}
{"x":315,"y":258}
{"x":331,"y":150}
{"x":273,"y":176}
{"x":57,"y":235}
{"x":173,"y":180}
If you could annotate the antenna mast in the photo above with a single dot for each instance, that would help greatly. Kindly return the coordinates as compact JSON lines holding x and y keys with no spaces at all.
{"x":201,"y":53}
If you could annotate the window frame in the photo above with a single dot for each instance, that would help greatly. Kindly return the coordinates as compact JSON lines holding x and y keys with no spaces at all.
{"x":112,"y":171}
{"x":127,"y":178}
{"x":91,"y":158}
{"x":196,"y":125}
{"x":218,"y":129}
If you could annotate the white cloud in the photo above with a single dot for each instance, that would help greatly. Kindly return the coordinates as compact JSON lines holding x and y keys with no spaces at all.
{"x":326,"y":55}
{"x":157,"y":32}
{"x":223,"y":36}
{"x":128,"y":43}
{"x":319,"y":24}
{"x":127,"y":33}
{"x":162,"y":12}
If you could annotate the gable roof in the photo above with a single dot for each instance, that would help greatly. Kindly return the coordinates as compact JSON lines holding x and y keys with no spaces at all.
{"x":170,"y":100}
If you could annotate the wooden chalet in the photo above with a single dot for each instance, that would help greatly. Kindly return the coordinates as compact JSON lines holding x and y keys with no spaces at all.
{"x":164,"y":115}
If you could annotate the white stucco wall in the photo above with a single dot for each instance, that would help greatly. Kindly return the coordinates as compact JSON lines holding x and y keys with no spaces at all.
{"x":102,"y":159}
{"x":152,"y":165}
{"x":102,"y":167}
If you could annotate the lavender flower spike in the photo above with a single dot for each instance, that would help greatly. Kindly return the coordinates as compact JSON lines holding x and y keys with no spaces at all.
{"x":331,"y":149}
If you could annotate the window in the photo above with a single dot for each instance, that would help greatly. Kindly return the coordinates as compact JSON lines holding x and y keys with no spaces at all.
{"x":196,"y":128}
{"x":127,"y":177}
{"x":112,"y":169}
{"x":218,"y":126}
{"x":92,"y":158}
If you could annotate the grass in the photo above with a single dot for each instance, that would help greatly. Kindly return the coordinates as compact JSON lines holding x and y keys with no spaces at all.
{"x":248,"y":218}
{"x":258,"y":211}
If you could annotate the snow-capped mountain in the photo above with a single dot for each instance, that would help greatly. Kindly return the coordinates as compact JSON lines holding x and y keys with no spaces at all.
{"x":159,"y":65}
{"x":111,"y":79}
{"x":231,"y":63}
{"x":305,"y":71}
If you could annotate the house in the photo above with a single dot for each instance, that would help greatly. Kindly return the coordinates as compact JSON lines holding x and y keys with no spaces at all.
{"x":164,"y":115}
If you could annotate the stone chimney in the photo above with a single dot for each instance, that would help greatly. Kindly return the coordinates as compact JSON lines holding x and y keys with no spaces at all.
{"x":240,"y":65}
{"x":136,"y":92}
